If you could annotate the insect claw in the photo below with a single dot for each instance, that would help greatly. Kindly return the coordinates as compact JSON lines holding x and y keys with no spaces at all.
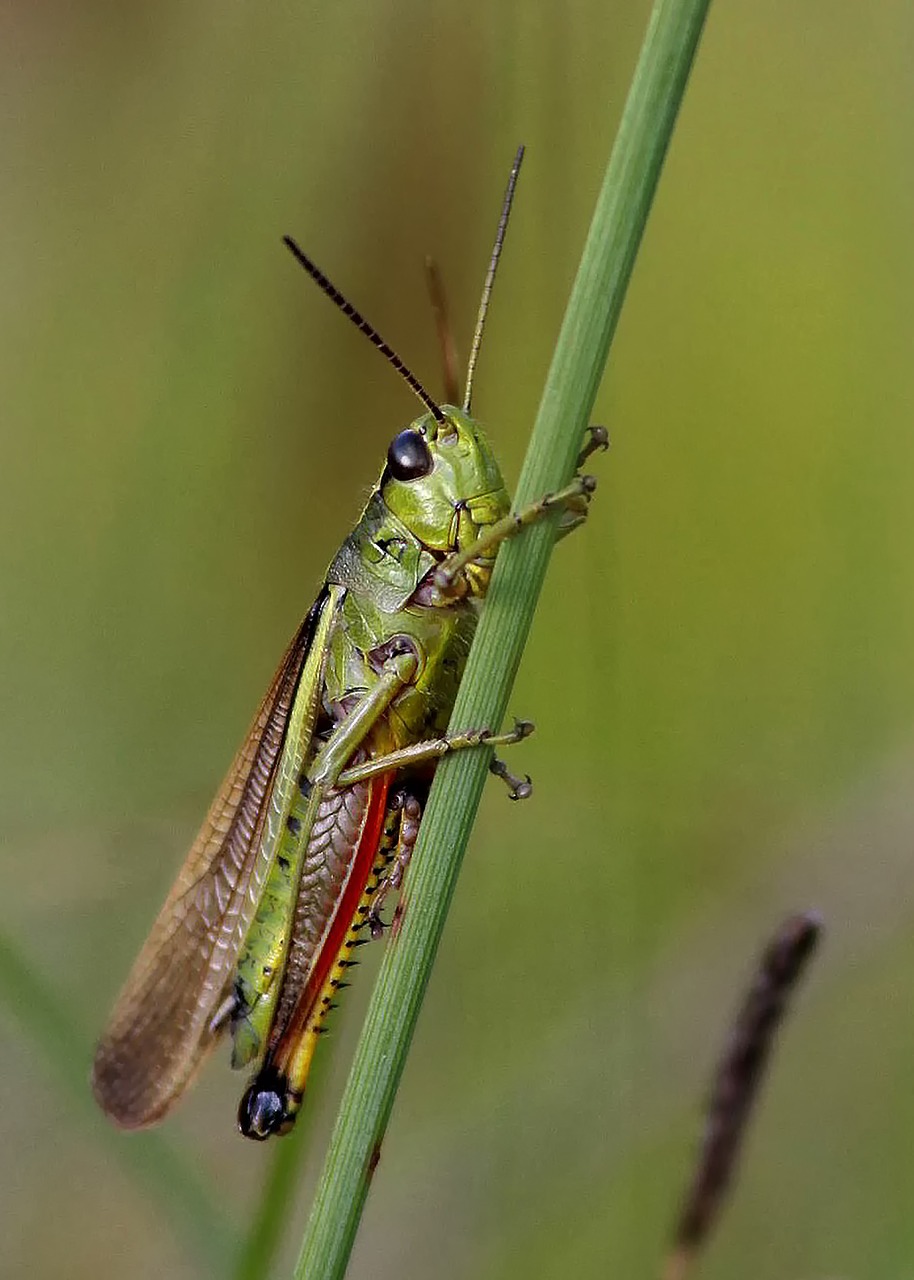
{"x":522,"y":790}
{"x":518,"y":788}
{"x":599,"y":439}
{"x":523,"y":728}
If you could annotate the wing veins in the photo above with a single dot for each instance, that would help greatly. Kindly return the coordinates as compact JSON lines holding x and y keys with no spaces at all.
{"x":162,"y":1024}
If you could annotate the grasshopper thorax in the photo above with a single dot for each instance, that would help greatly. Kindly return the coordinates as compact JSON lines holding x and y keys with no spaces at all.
{"x":442,"y":481}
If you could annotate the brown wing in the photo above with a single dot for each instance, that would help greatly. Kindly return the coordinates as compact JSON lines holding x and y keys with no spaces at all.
{"x":162,"y":1024}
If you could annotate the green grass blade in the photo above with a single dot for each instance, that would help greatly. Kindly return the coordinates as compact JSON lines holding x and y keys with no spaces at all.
{"x":263,"y":1237}
{"x":577,"y":367}
{"x":153,"y":1162}
{"x":264,"y":1234}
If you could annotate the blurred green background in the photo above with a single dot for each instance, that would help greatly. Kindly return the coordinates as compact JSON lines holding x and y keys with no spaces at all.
{"x":721,"y":669}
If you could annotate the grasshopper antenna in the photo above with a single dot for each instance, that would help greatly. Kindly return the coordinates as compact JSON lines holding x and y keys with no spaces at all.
{"x":490,"y":276}
{"x":362,"y":324}
{"x":446,"y":342}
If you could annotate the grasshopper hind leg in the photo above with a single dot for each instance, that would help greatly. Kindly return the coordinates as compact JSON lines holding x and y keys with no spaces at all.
{"x":408,"y":804}
{"x":274,"y":1096}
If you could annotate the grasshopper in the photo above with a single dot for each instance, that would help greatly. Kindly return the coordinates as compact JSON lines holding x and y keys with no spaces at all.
{"x":320,"y":810}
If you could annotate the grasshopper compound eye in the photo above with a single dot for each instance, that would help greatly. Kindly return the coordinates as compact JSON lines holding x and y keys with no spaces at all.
{"x":409,"y":456}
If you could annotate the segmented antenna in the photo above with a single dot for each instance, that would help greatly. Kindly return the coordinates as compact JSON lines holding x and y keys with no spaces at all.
{"x":362,"y":324}
{"x":490,"y":276}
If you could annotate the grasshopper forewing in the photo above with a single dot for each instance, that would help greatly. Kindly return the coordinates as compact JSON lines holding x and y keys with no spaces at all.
{"x":321,"y":807}
{"x":166,"y":1015}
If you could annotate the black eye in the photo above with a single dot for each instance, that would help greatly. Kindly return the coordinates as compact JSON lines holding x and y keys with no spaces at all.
{"x":408,"y":457}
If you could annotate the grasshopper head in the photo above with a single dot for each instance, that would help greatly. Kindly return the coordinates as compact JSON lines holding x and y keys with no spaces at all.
{"x":442,"y":481}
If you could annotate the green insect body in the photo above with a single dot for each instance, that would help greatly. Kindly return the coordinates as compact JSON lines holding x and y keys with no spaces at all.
{"x":371,"y":600}
{"x":440,"y":489}
{"x":319,"y":812}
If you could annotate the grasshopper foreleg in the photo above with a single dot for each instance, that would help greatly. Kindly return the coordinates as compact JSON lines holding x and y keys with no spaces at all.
{"x":575,"y":512}
{"x":573,"y":501}
{"x":597,"y":438}
{"x":448,"y":577}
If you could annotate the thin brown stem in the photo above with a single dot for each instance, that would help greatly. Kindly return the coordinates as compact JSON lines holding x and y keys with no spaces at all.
{"x":737,"y":1081}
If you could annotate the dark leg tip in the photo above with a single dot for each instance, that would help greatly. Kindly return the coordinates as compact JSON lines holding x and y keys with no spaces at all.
{"x":522,"y":790}
{"x":263,"y":1110}
{"x":599,"y":437}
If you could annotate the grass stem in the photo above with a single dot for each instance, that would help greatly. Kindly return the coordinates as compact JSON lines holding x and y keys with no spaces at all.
{"x":577,"y":367}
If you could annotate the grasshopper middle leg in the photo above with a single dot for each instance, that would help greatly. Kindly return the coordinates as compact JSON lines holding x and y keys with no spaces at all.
{"x":434,"y":749}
